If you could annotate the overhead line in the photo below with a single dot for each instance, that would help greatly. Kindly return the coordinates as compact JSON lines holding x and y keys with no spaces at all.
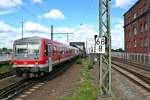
{"x":32,"y":14}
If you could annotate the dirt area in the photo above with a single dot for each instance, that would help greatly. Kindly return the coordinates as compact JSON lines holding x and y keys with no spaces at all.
{"x":122,"y":88}
{"x":62,"y":85}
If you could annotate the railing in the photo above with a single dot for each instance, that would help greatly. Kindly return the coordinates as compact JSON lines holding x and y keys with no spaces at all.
{"x":136,"y":57}
{"x":5,"y":57}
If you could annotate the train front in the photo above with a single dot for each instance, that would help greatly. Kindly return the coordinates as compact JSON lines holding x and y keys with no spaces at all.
{"x":26,"y":56}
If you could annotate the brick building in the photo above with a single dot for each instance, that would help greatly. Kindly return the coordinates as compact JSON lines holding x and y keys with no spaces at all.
{"x":137,"y":28}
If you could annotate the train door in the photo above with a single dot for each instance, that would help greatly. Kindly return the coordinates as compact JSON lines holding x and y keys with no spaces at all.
{"x":50,"y":50}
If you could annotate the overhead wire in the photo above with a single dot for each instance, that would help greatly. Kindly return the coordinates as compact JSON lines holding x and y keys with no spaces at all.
{"x":31,"y":13}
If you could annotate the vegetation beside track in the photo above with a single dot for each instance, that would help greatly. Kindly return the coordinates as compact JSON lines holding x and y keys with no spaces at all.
{"x":5,"y":68}
{"x":85,"y":89}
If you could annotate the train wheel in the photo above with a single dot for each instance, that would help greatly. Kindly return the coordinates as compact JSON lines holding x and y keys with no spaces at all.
{"x":36,"y":75}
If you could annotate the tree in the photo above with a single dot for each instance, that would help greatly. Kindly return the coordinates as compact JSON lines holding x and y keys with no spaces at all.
{"x":4,"y":49}
{"x":120,"y":50}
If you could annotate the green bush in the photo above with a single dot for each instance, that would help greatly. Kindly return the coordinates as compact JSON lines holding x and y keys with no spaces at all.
{"x":90,"y":66}
{"x":79,"y":61}
{"x":5,"y":68}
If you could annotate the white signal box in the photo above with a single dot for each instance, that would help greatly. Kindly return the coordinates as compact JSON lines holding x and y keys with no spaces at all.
{"x":100,"y":45}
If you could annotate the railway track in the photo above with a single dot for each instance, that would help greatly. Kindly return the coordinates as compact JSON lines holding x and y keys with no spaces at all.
{"x":141,"y":78}
{"x":14,"y":89}
{"x":141,"y":66}
{"x":17,"y":88}
{"x":6,"y":74}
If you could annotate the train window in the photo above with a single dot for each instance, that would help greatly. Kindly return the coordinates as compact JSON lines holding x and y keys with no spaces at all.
{"x":59,"y":50}
{"x":63,"y":50}
{"x":54,"y":49}
{"x":49,"y":49}
{"x":46,"y":50}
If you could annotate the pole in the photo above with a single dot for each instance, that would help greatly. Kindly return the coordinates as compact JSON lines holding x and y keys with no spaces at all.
{"x":105,"y":59}
{"x":51,"y":32}
{"x":22,"y":24}
{"x":86,"y":46}
{"x":100,"y":34}
{"x":109,"y":51}
{"x":67,"y":37}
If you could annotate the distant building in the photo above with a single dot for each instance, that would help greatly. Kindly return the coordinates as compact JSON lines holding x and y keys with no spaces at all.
{"x":137,"y":27}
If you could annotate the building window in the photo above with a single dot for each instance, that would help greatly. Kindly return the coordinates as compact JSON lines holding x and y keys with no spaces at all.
{"x":145,"y":26}
{"x":144,"y":7}
{"x":129,"y":32}
{"x":135,"y":31}
{"x":146,"y":42}
{"x":141,"y":27}
{"x":134,"y":43}
{"x":141,"y":10}
{"x":126,"y":44}
{"x":141,"y":43}
{"x":135,"y":15}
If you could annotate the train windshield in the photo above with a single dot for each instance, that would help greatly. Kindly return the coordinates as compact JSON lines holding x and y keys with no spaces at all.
{"x":27,"y":48}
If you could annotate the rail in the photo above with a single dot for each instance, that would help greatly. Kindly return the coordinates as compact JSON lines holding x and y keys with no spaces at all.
{"x":133,"y":57}
{"x":133,"y":73}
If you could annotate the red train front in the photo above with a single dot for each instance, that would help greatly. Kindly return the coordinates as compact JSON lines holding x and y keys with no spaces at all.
{"x":35,"y":56}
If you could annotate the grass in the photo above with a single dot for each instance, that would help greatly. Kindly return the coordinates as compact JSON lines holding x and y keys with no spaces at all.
{"x":5,"y":68}
{"x":79,"y":61}
{"x":85,"y":89}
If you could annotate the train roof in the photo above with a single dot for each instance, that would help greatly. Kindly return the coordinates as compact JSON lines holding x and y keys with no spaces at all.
{"x":28,"y":39}
{"x":41,"y":38}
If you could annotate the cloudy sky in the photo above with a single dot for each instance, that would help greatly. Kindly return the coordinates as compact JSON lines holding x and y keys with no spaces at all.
{"x":75,"y":16}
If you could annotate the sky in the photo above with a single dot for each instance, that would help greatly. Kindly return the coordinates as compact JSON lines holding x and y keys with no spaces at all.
{"x":79,"y":17}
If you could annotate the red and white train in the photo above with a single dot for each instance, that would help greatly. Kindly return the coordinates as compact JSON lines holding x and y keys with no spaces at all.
{"x":35,"y":55}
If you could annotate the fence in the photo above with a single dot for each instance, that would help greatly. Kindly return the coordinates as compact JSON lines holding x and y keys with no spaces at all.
{"x":5,"y":57}
{"x":136,"y":57}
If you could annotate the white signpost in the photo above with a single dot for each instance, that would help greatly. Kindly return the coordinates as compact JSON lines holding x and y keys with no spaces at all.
{"x":100,"y":45}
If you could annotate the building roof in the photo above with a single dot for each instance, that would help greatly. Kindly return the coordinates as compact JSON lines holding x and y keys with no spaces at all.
{"x":132,"y":7}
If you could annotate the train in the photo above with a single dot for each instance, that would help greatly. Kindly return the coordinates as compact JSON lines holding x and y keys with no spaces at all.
{"x":35,"y":56}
